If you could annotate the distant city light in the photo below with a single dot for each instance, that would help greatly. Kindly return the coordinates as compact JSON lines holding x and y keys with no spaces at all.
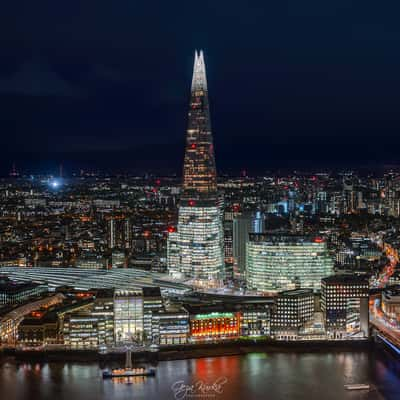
{"x":55,"y":184}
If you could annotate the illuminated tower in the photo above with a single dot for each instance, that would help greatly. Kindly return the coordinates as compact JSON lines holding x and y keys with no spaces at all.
{"x":199,"y":175}
{"x":195,"y":250}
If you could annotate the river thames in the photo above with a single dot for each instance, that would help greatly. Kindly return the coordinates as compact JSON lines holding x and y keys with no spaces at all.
{"x":276,"y":376}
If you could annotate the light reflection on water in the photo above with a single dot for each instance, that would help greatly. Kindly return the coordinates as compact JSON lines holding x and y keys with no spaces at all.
{"x":303,"y":376}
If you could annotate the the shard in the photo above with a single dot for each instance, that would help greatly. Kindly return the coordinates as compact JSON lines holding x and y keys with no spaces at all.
{"x":199,"y":175}
{"x":195,"y":250}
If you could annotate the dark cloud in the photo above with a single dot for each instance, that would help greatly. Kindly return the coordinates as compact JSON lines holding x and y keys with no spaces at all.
{"x":36,"y":78}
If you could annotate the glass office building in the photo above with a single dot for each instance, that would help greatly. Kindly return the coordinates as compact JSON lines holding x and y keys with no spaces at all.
{"x":128,"y":316}
{"x":195,"y":250}
{"x":283,"y":262}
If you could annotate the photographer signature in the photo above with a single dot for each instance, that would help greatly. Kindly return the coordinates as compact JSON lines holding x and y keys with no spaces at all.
{"x":200,"y":389}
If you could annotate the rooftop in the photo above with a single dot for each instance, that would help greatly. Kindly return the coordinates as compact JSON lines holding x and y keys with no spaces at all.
{"x":284,"y":238}
{"x":296,"y":292}
{"x":345,"y":279}
{"x":9,"y":286}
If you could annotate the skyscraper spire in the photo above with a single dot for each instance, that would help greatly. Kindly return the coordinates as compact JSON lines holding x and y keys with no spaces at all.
{"x":199,"y":80}
{"x":199,"y":173}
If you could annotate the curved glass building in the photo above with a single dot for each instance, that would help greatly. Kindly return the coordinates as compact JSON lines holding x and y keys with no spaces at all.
{"x":283,"y":262}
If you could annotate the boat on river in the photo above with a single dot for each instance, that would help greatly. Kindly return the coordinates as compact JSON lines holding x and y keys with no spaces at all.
{"x":129,"y":371}
{"x":358,"y":386}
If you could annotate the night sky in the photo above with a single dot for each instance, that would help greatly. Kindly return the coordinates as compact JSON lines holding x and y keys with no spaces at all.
{"x":105,"y":84}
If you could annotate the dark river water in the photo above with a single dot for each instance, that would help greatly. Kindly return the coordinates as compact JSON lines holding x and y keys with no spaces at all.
{"x":303,"y":376}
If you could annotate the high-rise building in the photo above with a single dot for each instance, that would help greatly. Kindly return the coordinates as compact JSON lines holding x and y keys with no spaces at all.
{"x":344,"y":302}
{"x":119,"y":233}
{"x":195,"y":250}
{"x":243,"y":225}
{"x":283,"y":262}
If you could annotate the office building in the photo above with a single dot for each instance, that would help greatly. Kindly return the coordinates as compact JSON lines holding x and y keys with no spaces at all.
{"x":294,"y":308}
{"x":119,"y":232}
{"x":255,"y":320}
{"x":128,"y":316}
{"x":173,"y":325}
{"x":284,"y":262}
{"x":243,"y":225}
{"x":195,"y":250}
{"x":118,"y":259}
{"x":18,"y":292}
{"x":152,"y":305}
{"x":344,"y":302}
{"x":83,"y":330}
{"x":103,"y":309}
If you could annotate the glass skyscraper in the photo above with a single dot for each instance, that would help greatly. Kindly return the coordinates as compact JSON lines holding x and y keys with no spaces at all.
{"x":195,"y":250}
{"x":283,"y":262}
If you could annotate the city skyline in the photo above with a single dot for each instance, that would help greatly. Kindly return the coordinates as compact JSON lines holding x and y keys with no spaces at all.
{"x":207,"y":191}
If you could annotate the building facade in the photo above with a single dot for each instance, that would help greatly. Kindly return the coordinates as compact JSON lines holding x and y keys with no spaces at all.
{"x":391,"y":303}
{"x":152,"y":305}
{"x":173,"y":326}
{"x":294,"y":308}
{"x":284,"y":262}
{"x":216,"y":325}
{"x":128,"y":316}
{"x":243,"y":225}
{"x":344,"y":303}
{"x":14,"y":293}
{"x":195,"y":250}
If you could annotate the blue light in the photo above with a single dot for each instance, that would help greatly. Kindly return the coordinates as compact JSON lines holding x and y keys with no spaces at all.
{"x":391,"y":345}
{"x":54,"y":184}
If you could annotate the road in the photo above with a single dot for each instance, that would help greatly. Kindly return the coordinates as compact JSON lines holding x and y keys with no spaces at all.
{"x":389,"y":330}
{"x":393,"y":257}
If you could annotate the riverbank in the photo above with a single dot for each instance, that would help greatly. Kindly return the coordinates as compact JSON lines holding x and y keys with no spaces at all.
{"x":265,"y":346}
{"x":181,"y":352}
